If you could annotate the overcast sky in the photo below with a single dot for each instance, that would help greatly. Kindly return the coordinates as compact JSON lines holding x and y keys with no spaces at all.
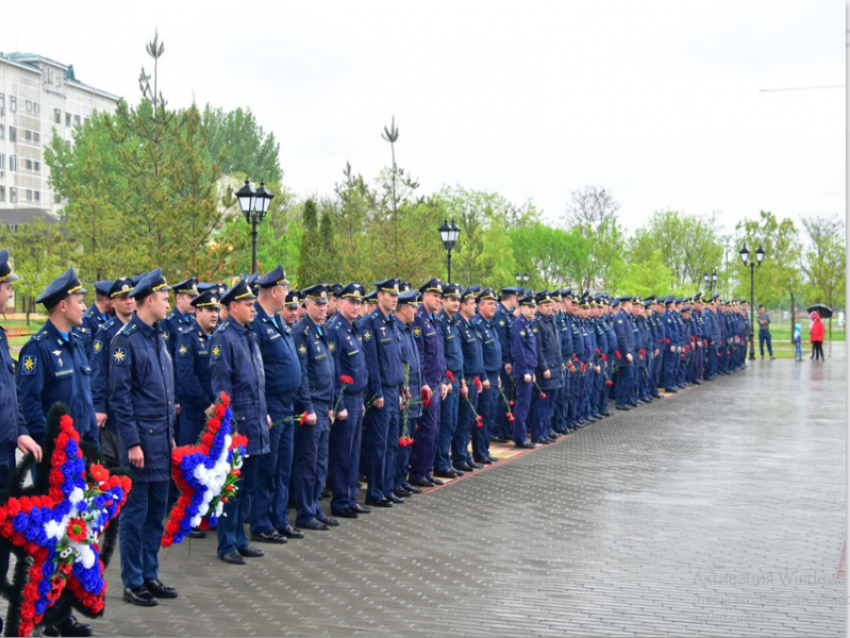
{"x":658,"y":102}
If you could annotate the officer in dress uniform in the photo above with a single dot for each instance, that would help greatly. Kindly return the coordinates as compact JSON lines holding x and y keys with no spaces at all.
{"x":53,"y":363}
{"x":290,"y":308}
{"x":574,"y":419}
{"x":183,"y":314}
{"x":504,"y":320}
{"x":671,"y":344}
{"x":141,"y":397}
{"x":599,"y":392}
{"x":123,"y":305}
{"x":405,"y":313}
{"x":237,"y":370}
{"x":316,"y":398}
{"x":473,"y":368}
{"x":282,"y":372}
{"x":449,"y":407}
{"x":548,"y":369}
{"x":524,"y":352}
{"x":99,"y":313}
{"x":626,"y":346}
{"x":382,"y":346}
{"x":346,"y":436}
{"x":489,"y":400}
{"x":428,"y":335}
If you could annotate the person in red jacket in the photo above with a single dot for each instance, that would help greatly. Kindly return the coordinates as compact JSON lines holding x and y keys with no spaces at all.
{"x":816,"y":336}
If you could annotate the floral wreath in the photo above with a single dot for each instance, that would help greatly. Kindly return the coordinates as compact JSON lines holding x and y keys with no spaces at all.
{"x":206,"y":474}
{"x":59,"y":529}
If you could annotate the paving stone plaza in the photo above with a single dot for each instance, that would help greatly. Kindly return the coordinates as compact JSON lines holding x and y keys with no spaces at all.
{"x":716,"y":511}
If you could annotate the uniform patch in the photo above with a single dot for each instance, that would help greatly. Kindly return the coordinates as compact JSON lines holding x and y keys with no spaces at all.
{"x":367,"y":335}
{"x":183,"y":350}
{"x":216,"y":352}
{"x":165,"y":336}
{"x":522,"y":333}
{"x":417,"y":332}
{"x":119,"y":355}
{"x":28,"y":365}
{"x":302,"y":350}
{"x":332,"y":346}
{"x":98,"y":346}
{"x":501,"y":322}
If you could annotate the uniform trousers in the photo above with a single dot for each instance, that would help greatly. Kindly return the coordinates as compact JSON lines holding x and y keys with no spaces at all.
{"x":522,"y":409}
{"x":404,"y":453}
{"x":670,"y":360}
{"x":231,"y":525}
{"x":448,"y":425}
{"x":378,"y":423}
{"x":425,"y":438}
{"x":488,"y":403}
{"x":624,"y":385}
{"x":140,"y":528}
{"x":502,"y":427}
{"x":310,"y":467}
{"x":541,"y":416}
{"x":344,"y":453}
{"x":467,"y":411}
{"x":271,"y":494}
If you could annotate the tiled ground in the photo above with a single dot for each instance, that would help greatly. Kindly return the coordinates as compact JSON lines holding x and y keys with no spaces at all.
{"x":718,"y":511}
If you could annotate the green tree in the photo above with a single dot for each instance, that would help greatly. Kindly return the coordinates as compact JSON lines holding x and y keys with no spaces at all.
{"x":825,"y":261}
{"x":553,"y":257}
{"x":646,"y":275}
{"x":245,"y":145}
{"x":308,"y":265}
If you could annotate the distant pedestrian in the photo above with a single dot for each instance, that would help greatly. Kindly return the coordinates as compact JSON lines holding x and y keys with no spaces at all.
{"x":798,"y":343}
{"x":816,"y":336}
{"x":764,"y":332}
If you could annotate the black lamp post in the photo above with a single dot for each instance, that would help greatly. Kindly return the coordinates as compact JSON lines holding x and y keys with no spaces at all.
{"x":254,"y":205}
{"x":449,"y":235}
{"x":522,"y":278}
{"x":745,"y":258}
{"x":710,"y":280}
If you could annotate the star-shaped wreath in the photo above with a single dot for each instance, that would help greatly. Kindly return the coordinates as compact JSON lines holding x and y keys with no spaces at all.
{"x":59,"y":529}
{"x":206,"y":474}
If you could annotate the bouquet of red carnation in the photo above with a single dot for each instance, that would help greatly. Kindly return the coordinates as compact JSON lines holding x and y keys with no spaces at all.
{"x":604,"y":358}
{"x":617,"y":353}
{"x":405,"y":440}
{"x":478,"y":385}
{"x":609,"y":382}
{"x":450,"y":375}
{"x":427,"y":398}
{"x":479,"y":421}
{"x":346,"y":381}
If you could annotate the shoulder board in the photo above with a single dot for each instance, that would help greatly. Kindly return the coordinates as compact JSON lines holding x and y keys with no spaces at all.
{"x":170,"y":315}
{"x":76,"y":334}
{"x":41,"y":334}
{"x":108,"y":325}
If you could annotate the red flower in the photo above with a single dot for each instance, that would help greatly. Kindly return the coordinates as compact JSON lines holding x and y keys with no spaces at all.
{"x":693,"y":339}
{"x":513,"y":402}
{"x":225,"y":399}
{"x":450,"y":375}
{"x":77,"y":530}
{"x":478,"y":384}
{"x":303,"y":419}
{"x":426,"y":399}
{"x":604,"y":358}
{"x":542,"y":395}
{"x":511,"y":417}
{"x":583,"y":368}
{"x":99,"y":473}
{"x":609,"y":382}
{"x":346,"y":380}
{"x":642,"y":352}
{"x":617,"y":352}
{"x":575,"y":356}
{"x":597,"y":351}
{"x":668,"y":341}
{"x":479,"y":421}
{"x":405,"y":441}
{"x":208,"y":439}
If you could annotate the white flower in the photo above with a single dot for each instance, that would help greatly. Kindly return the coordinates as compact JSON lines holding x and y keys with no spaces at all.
{"x":76,"y":495}
{"x":196,"y":520}
{"x":220,"y":509}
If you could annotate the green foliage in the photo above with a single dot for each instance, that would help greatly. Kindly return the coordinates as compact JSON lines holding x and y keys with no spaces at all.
{"x":646,"y":275}
{"x":245,"y":145}
{"x":551,"y":256}
{"x":826,"y":261}
{"x":308,"y":265}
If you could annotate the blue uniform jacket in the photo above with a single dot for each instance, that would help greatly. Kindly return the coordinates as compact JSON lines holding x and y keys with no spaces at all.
{"x":504,"y":320}
{"x":428,"y":336}
{"x":348,"y":355}
{"x":625,"y":336}
{"x":473,"y":350}
{"x":382,"y":346}
{"x":452,"y":346}
{"x":565,"y":328}
{"x":280,"y":363}
{"x":523,"y":347}
{"x":12,"y":417}
{"x":410,"y":358}
{"x":141,"y":397}
{"x":641,"y":340}
{"x":92,"y":321}
{"x":578,"y":338}
{"x":52,"y":369}
{"x":101,"y":356}
{"x":175,"y":323}
{"x":491,"y":345}
{"x":548,"y":353}
{"x":671,"y":329}
{"x":193,"y":374}
{"x":610,"y":335}
{"x":318,"y":375}
{"x":237,"y":369}
{"x":601,"y":340}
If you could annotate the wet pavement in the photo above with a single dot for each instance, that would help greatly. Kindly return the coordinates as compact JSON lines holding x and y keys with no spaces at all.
{"x":717,"y":511}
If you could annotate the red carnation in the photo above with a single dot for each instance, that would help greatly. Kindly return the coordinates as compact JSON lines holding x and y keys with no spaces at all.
{"x":426,"y":399}
{"x":668,"y":341}
{"x":208,"y":439}
{"x":604,"y":358}
{"x":346,"y":380}
{"x":77,"y":530}
{"x":583,"y":368}
{"x":575,"y":356}
{"x":219,"y":411}
{"x":450,"y":375}
{"x":98,"y":472}
{"x":642,"y":352}
{"x":225,"y":399}
{"x":513,"y":402}
{"x":609,"y":382}
{"x":693,"y":339}
{"x":542,"y":395}
{"x":617,"y":352}
{"x":597,"y":351}
{"x":303,"y":419}
{"x":479,"y":421}
{"x":478,"y":384}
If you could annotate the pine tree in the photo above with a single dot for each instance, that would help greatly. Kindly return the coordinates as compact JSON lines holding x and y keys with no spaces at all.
{"x":309,"y":263}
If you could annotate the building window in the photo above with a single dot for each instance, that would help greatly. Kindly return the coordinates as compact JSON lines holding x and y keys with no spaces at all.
{"x":2,"y":101}
{"x":67,"y":119}
{"x":29,"y":195}
{"x":13,"y":134}
{"x":13,"y":104}
{"x":36,"y":136}
{"x":29,"y":105}
{"x":76,"y":120}
{"x":36,"y":107}
{"x":56,"y":198}
{"x":13,"y":163}
{"x":36,"y":166}
{"x":37,"y":196}
{"x":2,"y":193}
{"x":2,"y":131}
{"x":28,"y":164}
{"x":2,"y":162}
{"x":57,"y":116}
{"x":13,"y":195}
{"x":28,"y":135}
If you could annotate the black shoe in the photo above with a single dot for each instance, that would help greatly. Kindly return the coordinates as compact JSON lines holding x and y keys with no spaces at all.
{"x":315,"y":525}
{"x":139,"y":596}
{"x":357,"y":507}
{"x":606,"y":414}
{"x":474,"y":465}
{"x":327,"y":521}
{"x":159,"y":590}
{"x":460,"y":468}
{"x":197,"y":533}
{"x":233,"y":558}
{"x":671,"y":390}
{"x":435,"y":481}
{"x":381,"y":502}
{"x":346,"y":513}
{"x":291,"y":532}
{"x":542,"y":441}
{"x":483,"y":461}
{"x":392,"y":498}
{"x":450,"y":474}
{"x":411,"y":489}
{"x":624,"y":407}
{"x":500,"y":439}
{"x":250,"y":552}
{"x":402,"y":493}
{"x":71,"y":627}
{"x":492,"y":459}
{"x":326,"y":494}
{"x":422,"y":483}
{"x":271,"y":536}
{"x":528,"y":445}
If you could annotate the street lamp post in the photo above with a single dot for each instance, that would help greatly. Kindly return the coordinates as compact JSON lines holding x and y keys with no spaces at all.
{"x":522,"y":278}
{"x":710,"y":280}
{"x":254,"y":205}
{"x":449,"y":235}
{"x":745,"y":258}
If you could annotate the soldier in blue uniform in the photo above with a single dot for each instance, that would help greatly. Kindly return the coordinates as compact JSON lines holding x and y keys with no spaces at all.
{"x":560,"y":420}
{"x":282,"y":374}
{"x":427,"y":333}
{"x":599,"y":392}
{"x":524,"y":352}
{"x":449,"y":407}
{"x":123,"y":305}
{"x":405,"y":313}
{"x":290,"y":308}
{"x":639,"y":395}
{"x":473,"y":368}
{"x":183,"y":314}
{"x":548,"y":369}
{"x":504,"y":320}
{"x":316,"y":398}
{"x":346,"y":435}
{"x":382,"y":346}
{"x":490,"y":400}
{"x":626,"y":346}
{"x":713,"y":338}
{"x":589,"y":336}
{"x":53,"y":363}
{"x":101,"y":311}
{"x":610,"y":356}
{"x":671,"y":344}
{"x":141,"y":397}
{"x":574,"y":418}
